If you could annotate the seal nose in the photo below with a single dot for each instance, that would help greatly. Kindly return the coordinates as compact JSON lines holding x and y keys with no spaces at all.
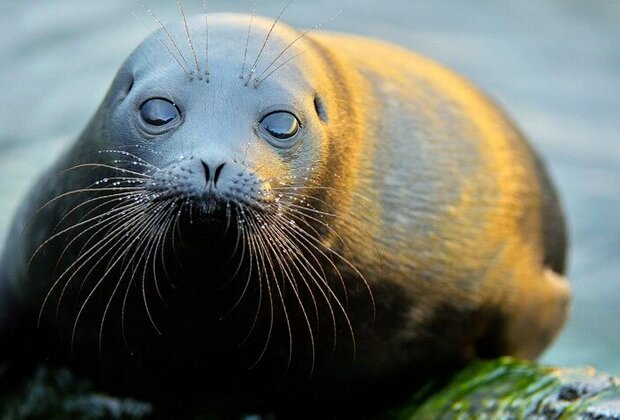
{"x":216,"y":174}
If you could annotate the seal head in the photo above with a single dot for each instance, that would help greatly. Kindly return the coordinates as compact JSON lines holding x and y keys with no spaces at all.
{"x":200,"y":194}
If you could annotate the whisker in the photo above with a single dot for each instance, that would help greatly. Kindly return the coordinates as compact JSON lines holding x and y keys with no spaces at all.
{"x":133,"y":238}
{"x":348,"y":221}
{"x":260,"y":252}
{"x":133,"y":156}
{"x":107,"y":307}
{"x":309,"y":268}
{"x":103,"y":165}
{"x":148,"y":252}
{"x":249,"y":276}
{"x":296,"y":292}
{"x":100,"y":246}
{"x":163,"y":43}
{"x":299,"y":235}
{"x":352,"y":194}
{"x":102,"y":223}
{"x":118,"y":228}
{"x":74,"y":226}
{"x":312,"y":273}
{"x":87,"y":190}
{"x":327,"y":257}
{"x":257,"y":82}
{"x":240,"y":238}
{"x":317,"y":243}
{"x":255,"y":252}
{"x":150,"y":12}
{"x":189,"y":36}
{"x":109,"y":198}
{"x":302,"y":35}
{"x":262,"y":48}
{"x":301,"y":213}
{"x":177,"y":231}
{"x":227,"y":216}
{"x":247,"y":42}
{"x":159,"y":248}
{"x":207,"y":71}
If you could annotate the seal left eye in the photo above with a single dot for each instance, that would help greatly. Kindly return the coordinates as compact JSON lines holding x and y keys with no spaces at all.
{"x":280,"y":124}
{"x":158,"y":112}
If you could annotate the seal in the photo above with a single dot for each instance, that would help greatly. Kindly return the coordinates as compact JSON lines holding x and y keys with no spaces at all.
{"x":268,"y":217}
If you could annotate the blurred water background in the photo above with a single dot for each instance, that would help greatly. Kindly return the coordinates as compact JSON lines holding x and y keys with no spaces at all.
{"x":553,"y":64}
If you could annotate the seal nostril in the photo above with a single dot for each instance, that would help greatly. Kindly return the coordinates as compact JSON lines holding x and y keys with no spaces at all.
{"x":218,"y":171}
{"x":207,"y":172}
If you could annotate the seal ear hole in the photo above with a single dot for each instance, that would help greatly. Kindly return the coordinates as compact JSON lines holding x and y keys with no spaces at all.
{"x":320,"y":108}
{"x":124,"y":86}
{"x":131,"y":81}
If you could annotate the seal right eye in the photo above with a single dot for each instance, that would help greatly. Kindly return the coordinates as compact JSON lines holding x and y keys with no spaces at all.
{"x":159,"y":112}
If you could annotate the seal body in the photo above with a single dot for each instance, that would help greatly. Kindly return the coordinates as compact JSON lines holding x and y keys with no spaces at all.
{"x":284,"y":215}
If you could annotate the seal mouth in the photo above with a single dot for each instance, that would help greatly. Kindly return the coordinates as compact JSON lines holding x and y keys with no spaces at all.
{"x":212,"y":207}
{"x":218,"y":209}
{"x":210,"y":201}
{"x":209,"y":206}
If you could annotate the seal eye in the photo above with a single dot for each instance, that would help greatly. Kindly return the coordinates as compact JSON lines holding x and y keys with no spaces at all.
{"x":280,"y":124}
{"x":158,"y":112}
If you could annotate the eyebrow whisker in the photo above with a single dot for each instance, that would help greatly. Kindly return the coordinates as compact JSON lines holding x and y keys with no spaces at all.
{"x":207,"y":72}
{"x":303,"y":35}
{"x":260,"y":52}
{"x":159,"y":22}
{"x":247,"y":42}
{"x":163,"y":44}
{"x":189,"y":36}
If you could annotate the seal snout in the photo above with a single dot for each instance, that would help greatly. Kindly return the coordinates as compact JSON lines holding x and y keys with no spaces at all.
{"x":211,"y":184}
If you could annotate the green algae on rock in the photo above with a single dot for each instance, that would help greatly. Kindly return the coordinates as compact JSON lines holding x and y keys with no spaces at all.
{"x":509,"y":388}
